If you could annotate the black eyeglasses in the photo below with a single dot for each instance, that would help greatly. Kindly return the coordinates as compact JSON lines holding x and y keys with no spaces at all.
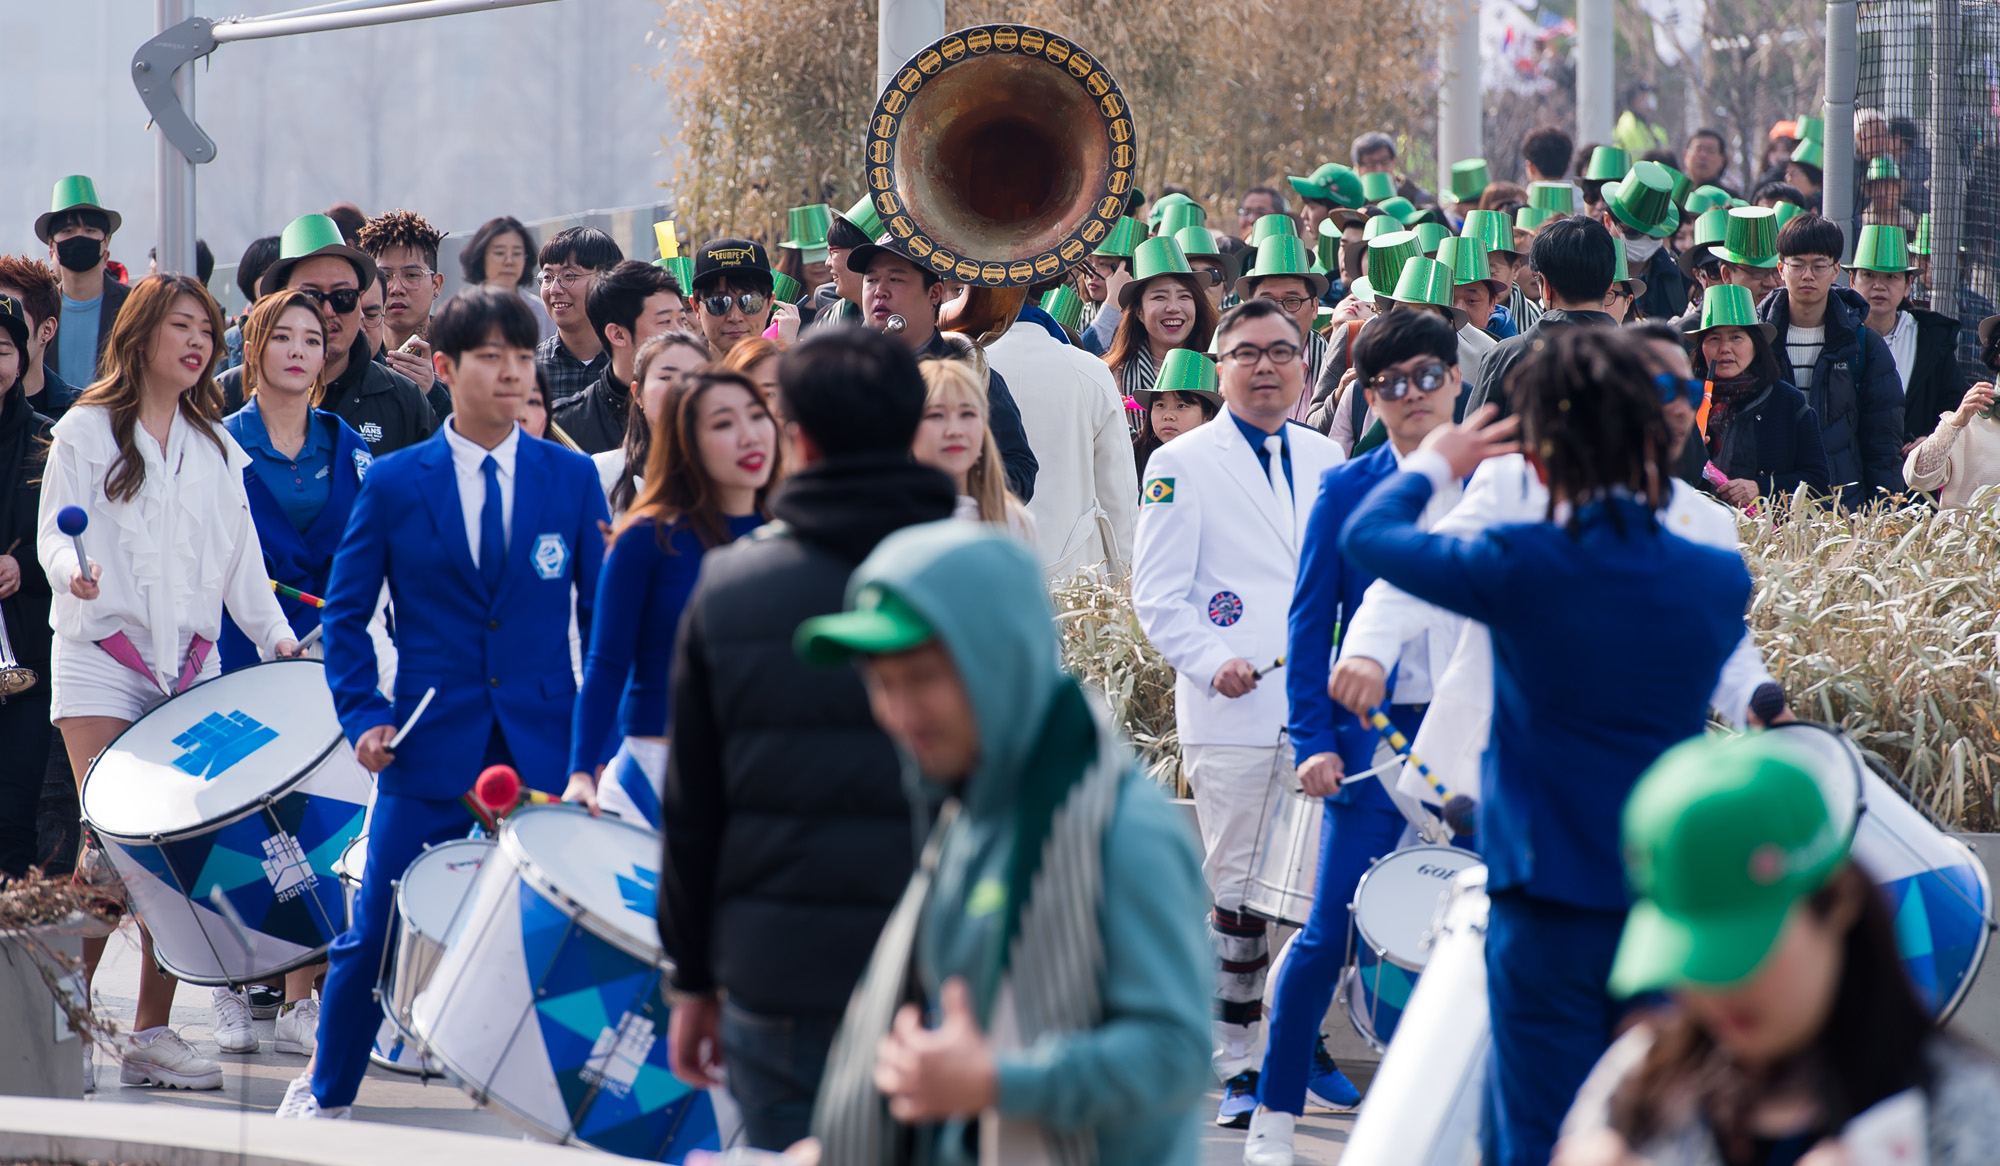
{"x":1394,"y":386}
{"x":1291,"y":304}
{"x":751,"y":303}
{"x":343,"y":299}
{"x":1247,"y":355}
{"x":1673,"y":387}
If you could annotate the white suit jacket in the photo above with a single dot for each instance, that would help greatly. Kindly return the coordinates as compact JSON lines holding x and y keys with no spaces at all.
{"x":1086,"y":490}
{"x":1212,"y":578}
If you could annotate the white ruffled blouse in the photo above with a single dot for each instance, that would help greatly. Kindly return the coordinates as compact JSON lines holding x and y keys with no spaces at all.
{"x":173,"y":555}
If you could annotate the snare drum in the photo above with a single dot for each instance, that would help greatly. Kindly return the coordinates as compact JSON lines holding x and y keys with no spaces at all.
{"x":549,"y":1002}
{"x":1396,"y":905}
{"x":348,"y":868}
{"x":243,"y":785}
{"x":429,"y":898}
{"x":1284,"y":872}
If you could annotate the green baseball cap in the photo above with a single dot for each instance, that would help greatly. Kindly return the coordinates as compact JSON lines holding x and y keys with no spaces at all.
{"x":1750,"y":237}
{"x":1883,"y":168}
{"x":1387,"y":255}
{"x":1922,"y":243}
{"x":1709,"y":230}
{"x":1064,"y":305}
{"x":880,"y":624}
{"x":1376,"y":185}
{"x":74,"y":193}
{"x":1270,"y":225}
{"x":1424,"y":283}
{"x":1881,"y":248}
{"x":1468,"y":262}
{"x":1156,"y":257}
{"x":1703,"y":199}
{"x":1468,"y":179}
{"x":1122,"y":239}
{"x":1644,"y":201}
{"x":1607,"y":164}
{"x":1430,"y":234}
{"x":809,"y":225}
{"x":1811,"y":152}
{"x":1402,"y":210}
{"x":307,"y":237}
{"x":1179,"y":217}
{"x":1728,"y":305}
{"x":864,"y":219}
{"x":1722,"y":837}
{"x":1184,"y":371}
{"x":1282,"y":255}
{"x":1330,"y":182}
{"x":1492,"y":228}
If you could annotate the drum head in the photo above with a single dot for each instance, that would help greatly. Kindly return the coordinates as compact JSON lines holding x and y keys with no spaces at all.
{"x":1833,"y":762}
{"x":609,"y":869}
{"x":353,"y":862}
{"x":213,"y":751}
{"x":436,"y":884}
{"x":1397,"y":900}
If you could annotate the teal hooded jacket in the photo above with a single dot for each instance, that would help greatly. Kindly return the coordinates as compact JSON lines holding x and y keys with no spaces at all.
{"x":1131,"y":1085}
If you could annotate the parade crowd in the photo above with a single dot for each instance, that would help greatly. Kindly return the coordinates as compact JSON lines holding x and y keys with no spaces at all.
{"x":757,"y":555}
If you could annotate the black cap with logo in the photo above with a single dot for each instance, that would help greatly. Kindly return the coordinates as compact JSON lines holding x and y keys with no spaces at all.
{"x":720,"y":257}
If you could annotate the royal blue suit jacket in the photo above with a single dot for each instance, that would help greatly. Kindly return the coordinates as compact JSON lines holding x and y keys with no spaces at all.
{"x":501,"y":657}
{"x":1606,"y":646}
{"x":1324,"y":601}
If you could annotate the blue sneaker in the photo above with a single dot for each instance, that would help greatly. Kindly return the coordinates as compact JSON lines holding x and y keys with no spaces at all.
{"x":1329,"y":1086}
{"x":1239,"y":1101}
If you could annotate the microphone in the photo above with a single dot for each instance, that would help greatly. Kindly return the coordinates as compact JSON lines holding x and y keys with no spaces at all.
{"x":71,"y":520}
{"x":893,"y":325}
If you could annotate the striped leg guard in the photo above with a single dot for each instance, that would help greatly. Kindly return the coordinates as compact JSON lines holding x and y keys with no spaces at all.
{"x":1243,"y":955}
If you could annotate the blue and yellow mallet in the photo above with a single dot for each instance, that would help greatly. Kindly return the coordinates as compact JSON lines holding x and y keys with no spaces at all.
{"x":1458,"y":809}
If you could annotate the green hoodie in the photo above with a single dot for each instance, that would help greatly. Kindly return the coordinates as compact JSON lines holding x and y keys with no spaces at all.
{"x":1132,"y":1082}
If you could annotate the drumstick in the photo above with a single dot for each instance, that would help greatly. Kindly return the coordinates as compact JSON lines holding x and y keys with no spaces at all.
{"x":295,"y":593}
{"x":1261,"y":673}
{"x":412,"y":722}
{"x":1458,"y":808}
{"x":311,"y":637}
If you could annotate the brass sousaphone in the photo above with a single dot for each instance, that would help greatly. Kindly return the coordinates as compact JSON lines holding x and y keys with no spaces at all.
{"x":999,"y":157}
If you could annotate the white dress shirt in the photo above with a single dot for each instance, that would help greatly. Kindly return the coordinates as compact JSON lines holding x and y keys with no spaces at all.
{"x":466,"y":459}
{"x":1902,"y":342}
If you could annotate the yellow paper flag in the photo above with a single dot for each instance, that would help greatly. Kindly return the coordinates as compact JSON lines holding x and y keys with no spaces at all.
{"x":670,"y":244}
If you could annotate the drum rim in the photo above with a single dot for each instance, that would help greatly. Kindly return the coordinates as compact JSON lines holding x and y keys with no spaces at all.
{"x":316,"y":955}
{"x":1852,"y":751}
{"x":531,"y":872}
{"x":486,"y":845}
{"x":1354,"y":905}
{"x":228,"y":817}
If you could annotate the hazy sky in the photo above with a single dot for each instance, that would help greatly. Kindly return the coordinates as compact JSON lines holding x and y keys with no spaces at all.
{"x":534,"y":112}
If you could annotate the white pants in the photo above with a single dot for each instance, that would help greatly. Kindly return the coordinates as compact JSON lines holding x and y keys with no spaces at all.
{"x":84,"y":681}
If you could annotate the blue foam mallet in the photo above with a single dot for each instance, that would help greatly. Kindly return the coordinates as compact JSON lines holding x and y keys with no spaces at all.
{"x":71,"y":520}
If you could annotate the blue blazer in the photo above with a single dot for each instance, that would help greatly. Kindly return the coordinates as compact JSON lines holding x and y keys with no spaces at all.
{"x":301,"y":560}
{"x":1606,"y":646}
{"x":1324,"y":601}
{"x":501,"y":657}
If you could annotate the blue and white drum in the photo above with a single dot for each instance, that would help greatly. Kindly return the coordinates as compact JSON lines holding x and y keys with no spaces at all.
{"x":1390,"y":929}
{"x":550,"y":1001}
{"x":242,"y":786}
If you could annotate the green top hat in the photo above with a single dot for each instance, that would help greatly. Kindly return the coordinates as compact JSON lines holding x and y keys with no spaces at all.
{"x":1468,"y":179}
{"x":1703,"y":199}
{"x":1179,"y":217}
{"x":1881,"y":248}
{"x":1530,"y":219}
{"x":1430,"y":235}
{"x":1723,"y":837}
{"x":1728,"y":305}
{"x":1282,"y":255}
{"x":1491,"y":228}
{"x":1683,"y":185}
{"x":1388,"y":254}
{"x":1786,"y":211}
{"x":1379,"y":225}
{"x":1362,"y":290}
{"x":1709,"y":230}
{"x":785,"y":289}
{"x":1164,"y":204}
{"x":809,"y":224}
{"x":1922,"y":245}
{"x":1376,"y":185}
{"x":75,"y":193}
{"x":1065,"y":305}
{"x":1331,"y":240}
{"x":1466,"y":257}
{"x":1750,"y":238}
{"x":1197,"y":241}
{"x":1621,"y":273}
{"x":1154,"y":258}
{"x":1330,"y":182}
{"x":1425,"y":282}
{"x":862,"y":215}
{"x":1557,"y":198}
{"x":1607,"y":164}
{"x":308,"y":236}
{"x":682,"y":268}
{"x":1644,"y":201}
{"x":1271,"y":225}
{"x":1812,"y":129}
{"x":1881,"y":168}
{"x":1811,"y":152}
{"x":1123,"y":238}
{"x":1402,"y":210}
{"x":1183,"y":371}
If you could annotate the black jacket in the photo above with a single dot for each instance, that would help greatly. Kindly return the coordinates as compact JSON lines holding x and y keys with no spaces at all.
{"x":382,"y":405}
{"x":1774,"y":441}
{"x":1937,"y":384}
{"x":1501,"y":361}
{"x":1856,"y":394}
{"x":114,"y":300}
{"x":788,"y":834}
{"x":1003,"y":417}
{"x":595,"y":418}
{"x":24,"y":436}
{"x":1666,"y":288}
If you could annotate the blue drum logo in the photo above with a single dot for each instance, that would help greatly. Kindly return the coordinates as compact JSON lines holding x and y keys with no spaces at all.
{"x":218,"y":741}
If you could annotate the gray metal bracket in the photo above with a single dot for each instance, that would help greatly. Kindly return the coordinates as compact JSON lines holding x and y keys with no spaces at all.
{"x":153,"y":68}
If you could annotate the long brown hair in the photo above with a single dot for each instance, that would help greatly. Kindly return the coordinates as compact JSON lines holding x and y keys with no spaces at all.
{"x":1131,"y":336}
{"x":258,"y":324}
{"x":679,"y":490}
{"x":118,"y":390}
{"x":638,"y":443}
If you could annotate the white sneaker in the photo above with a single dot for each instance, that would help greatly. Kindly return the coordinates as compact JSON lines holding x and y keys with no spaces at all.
{"x":300,"y":1104}
{"x":161,"y":1057}
{"x":1270,"y":1140}
{"x":298,"y":1027}
{"x":235,"y":1032}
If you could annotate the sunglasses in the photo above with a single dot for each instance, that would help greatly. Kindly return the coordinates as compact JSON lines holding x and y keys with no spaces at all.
{"x":1396,"y":386}
{"x":751,"y":303}
{"x":343,"y":299}
{"x":1208,"y":275}
{"x":1672,"y":388}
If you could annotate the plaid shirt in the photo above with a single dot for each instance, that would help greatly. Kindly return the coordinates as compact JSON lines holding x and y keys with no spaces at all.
{"x":567,"y":375}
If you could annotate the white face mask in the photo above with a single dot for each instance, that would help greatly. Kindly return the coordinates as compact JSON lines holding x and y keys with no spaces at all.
{"x":1641,"y":250}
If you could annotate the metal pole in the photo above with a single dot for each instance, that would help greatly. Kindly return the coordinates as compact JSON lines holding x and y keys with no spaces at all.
{"x":902,"y":29}
{"x":1594,"y":96}
{"x":316,"y":20}
{"x":1947,"y":176}
{"x":1458,"y":94}
{"x":1842,"y":75}
{"x":173,"y":171}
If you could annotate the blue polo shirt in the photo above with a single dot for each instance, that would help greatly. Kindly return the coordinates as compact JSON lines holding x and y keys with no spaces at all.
{"x":301,"y":483}
{"x":1256,"y":437}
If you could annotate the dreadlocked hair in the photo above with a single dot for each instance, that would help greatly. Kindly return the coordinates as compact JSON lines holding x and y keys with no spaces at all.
{"x":400,"y":228}
{"x":1591,"y":418}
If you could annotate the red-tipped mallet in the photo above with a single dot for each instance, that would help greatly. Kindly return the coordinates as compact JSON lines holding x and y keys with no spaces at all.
{"x":500,"y":792}
{"x":71,"y":520}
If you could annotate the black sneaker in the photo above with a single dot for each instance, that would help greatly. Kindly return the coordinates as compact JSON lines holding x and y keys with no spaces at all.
{"x":1239,"y":1101}
{"x":265,"y":1000}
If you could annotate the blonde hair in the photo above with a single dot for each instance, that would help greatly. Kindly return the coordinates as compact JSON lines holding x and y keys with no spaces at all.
{"x":258,"y":324}
{"x":986,"y":482}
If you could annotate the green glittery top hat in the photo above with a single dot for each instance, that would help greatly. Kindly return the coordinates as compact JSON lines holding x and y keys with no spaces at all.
{"x":809,"y":225}
{"x":1728,"y":305}
{"x":1468,"y":179}
{"x":1607,"y":164}
{"x":1431,"y":234}
{"x":1427,"y":283}
{"x":1122,"y":239}
{"x":1468,"y":262}
{"x":1750,"y":238}
{"x":864,"y":219}
{"x":1179,"y":217}
{"x":1621,"y":273}
{"x":1387,"y":255}
{"x":1155,"y":257}
{"x":1882,"y":168}
{"x":1810,"y":152}
{"x":1377,"y":185}
{"x":1164,"y":205}
{"x":1644,"y":201}
{"x":1065,"y":305}
{"x":1270,"y":225}
{"x":1492,"y":228}
{"x":1183,"y":371}
{"x":74,"y":193}
{"x":1881,"y":248}
{"x":1709,"y":230}
{"x":1703,"y":199}
{"x":306,"y":237}
{"x":1282,"y":255}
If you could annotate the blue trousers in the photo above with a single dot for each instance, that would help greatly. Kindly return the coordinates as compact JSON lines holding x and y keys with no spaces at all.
{"x":1547,"y":964}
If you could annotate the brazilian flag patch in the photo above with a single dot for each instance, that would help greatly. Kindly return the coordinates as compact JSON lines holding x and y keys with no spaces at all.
{"x":1159,"y":490}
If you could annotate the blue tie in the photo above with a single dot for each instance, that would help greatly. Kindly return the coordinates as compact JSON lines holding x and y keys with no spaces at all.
{"x":492,"y":535}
